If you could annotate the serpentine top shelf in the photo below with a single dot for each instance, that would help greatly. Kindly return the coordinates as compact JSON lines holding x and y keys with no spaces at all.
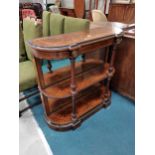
{"x":74,"y":40}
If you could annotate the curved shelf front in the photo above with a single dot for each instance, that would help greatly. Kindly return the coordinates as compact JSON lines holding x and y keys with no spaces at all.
{"x":88,"y":102}
{"x":87,"y":74}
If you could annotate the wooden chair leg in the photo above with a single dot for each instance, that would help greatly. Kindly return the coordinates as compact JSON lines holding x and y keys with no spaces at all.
{"x":49,"y":65}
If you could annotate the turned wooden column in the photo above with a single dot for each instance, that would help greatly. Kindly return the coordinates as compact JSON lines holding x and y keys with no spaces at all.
{"x":113,"y":53}
{"x":73,"y":88}
{"x":41,"y":84}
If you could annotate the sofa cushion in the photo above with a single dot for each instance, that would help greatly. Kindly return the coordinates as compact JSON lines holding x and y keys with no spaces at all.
{"x":31,"y":29}
{"x":46,"y":23}
{"x":27,"y":75}
{"x":75,"y":24}
{"x":56,"y":24}
{"x":22,"y":52}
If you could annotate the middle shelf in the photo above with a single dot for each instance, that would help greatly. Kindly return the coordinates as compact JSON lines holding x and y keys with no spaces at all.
{"x":87,"y":73}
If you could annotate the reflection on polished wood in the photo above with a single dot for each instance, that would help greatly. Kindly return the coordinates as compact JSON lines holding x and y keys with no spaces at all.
{"x":73,"y":93}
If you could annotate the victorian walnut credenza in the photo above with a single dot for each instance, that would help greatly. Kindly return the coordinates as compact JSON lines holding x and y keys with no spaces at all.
{"x":73,"y":93}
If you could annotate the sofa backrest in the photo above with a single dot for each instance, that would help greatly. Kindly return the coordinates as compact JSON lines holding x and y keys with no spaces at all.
{"x":22,"y":52}
{"x":75,"y":24}
{"x":31,"y":30}
{"x":46,"y":23}
{"x":54,"y":24}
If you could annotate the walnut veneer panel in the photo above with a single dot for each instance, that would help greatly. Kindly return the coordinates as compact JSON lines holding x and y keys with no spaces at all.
{"x":124,"y":78}
{"x":116,"y":12}
{"x":129,"y":16}
{"x":79,"y":7}
{"x":124,"y":13}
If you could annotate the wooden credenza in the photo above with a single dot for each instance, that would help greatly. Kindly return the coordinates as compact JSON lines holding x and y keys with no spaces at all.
{"x":124,"y":13}
{"x":124,"y":78}
{"x":73,"y":93}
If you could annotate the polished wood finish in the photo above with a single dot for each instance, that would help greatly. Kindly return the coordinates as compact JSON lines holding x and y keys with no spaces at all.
{"x":73,"y":93}
{"x":79,"y":8}
{"x":124,"y":13}
{"x":124,"y":79}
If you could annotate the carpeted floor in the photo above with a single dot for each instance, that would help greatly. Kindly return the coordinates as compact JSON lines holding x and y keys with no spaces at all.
{"x":108,"y":132}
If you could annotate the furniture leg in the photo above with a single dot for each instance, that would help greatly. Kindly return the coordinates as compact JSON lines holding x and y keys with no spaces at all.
{"x":107,"y":95}
{"x":73,"y":89}
{"x":45,"y":105}
{"x":49,"y":66}
{"x":41,"y":84}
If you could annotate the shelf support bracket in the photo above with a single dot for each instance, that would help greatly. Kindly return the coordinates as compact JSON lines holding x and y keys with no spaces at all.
{"x":41,"y":84}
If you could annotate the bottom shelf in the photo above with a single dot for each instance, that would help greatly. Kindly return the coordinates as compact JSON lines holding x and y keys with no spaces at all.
{"x":87,"y":102}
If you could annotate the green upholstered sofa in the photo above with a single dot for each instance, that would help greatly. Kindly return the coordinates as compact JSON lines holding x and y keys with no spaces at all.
{"x":52,"y":24}
{"x":27,"y":77}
